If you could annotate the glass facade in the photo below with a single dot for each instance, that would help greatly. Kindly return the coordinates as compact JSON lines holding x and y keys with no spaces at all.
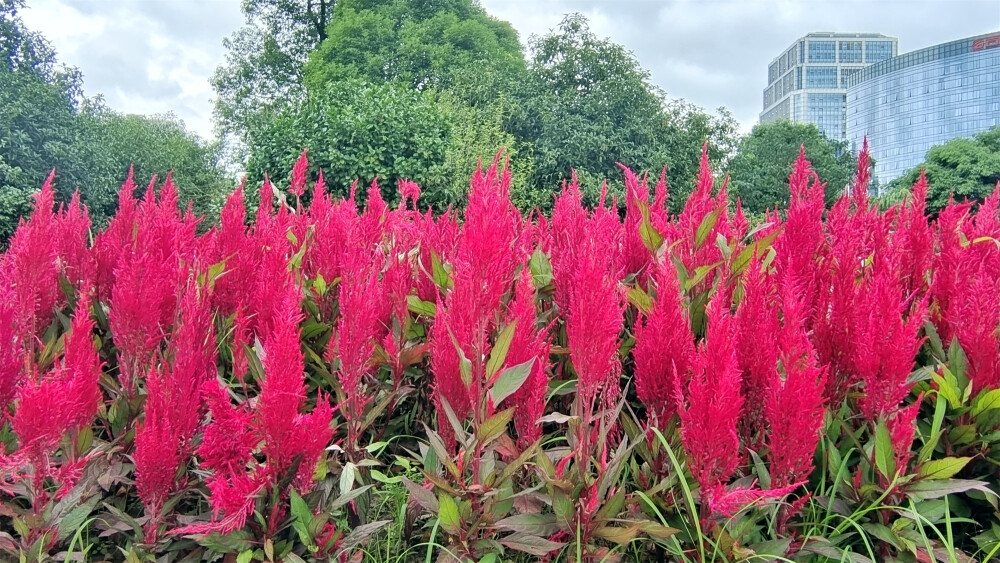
{"x":821,"y":77}
{"x":822,"y":51}
{"x":807,"y":83}
{"x":907,"y":104}
{"x":850,"y":52}
{"x":877,"y":51}
{"x":827,"y":112}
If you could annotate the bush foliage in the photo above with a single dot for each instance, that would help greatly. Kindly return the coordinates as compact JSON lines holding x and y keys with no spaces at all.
{"x":320,"y":382}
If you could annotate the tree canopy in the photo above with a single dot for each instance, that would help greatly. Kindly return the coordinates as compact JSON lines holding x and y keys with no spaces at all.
{"x":966,"y":168}
{"x":763,"y":160}
{"x":589,"y":104}
{"x":264,"y":62}
{"x":355,"y":130}
{"x":46,"y":123}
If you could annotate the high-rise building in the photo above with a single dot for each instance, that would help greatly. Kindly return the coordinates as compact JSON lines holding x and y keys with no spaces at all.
{"x":807,"y":82}
{"x":907,"y":104}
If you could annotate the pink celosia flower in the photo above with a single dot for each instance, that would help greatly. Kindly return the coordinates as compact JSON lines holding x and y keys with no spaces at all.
{"x":528,"y":343}
{"x":489,"y":248}
{"x":756,"y":333}
{"x":298,"y":183}
{"x":888,"y":342}
{"x":664,"y":346}
{"x":593,"y":323}
{"x":287,"y":433}
{"x":794,"y":404}
{"x":51,"y":404}
{"x":799,"y":247}
{"x":711,"y":405}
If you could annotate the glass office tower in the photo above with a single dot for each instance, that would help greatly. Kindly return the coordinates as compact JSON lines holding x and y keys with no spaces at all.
{"x":909,"y":103}
{"x":808,"y":81}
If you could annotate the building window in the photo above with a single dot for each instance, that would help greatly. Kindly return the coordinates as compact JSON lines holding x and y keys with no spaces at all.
{"x":822,"y":51}
{"x":850,"y":51}
{"x":845,"y":74}
{"x":878,"y":51}
{"x":821,"y":77}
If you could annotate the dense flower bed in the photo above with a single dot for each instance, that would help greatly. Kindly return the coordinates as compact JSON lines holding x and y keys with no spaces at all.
{"x":485,"y":386}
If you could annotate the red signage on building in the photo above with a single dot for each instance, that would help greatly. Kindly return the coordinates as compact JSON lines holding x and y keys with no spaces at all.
{"x":986,"y":42}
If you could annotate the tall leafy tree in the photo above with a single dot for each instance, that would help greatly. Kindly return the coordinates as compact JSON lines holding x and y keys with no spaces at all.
{"x":46,"y":123}
{"x":264,"y":61}
{"x":158,"y":144}
{"x":963,"y":168}
{"x":759,"y":170}
{"x":420,"y":43}
{"x":38,"y":104}
{"x":355,"y":130}
{"x":589,"y":104}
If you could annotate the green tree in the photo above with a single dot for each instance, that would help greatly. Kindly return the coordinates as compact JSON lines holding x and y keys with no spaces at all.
{"x":967,"y":168}
{"x":759,"y":170}
{"x":153,"y":145}
{"x":355,"y":130}
{"x":588,"y":104}
{"x":38,"y":104}
{"x":264,"y":62}
{"x":421,"y":43}
{"x":46,"y":123}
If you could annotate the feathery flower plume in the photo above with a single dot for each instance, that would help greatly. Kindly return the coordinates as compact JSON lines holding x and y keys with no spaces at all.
{"x":489,"y":248}
{"x":711,"y":406}
{"x":297,"y":186}
{"x":794,"y":403}
{"x":664,"y":347}
{"x":800,"y":246}
{"x":48,"y":406}
{"x":888,"y":342}
{"x":757,"y":339}
{"x":528,"y":343}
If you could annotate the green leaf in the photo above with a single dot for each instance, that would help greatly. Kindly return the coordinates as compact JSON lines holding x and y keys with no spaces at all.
{"x":441,"y":276}
{"x":943,"y":468}
{"x":541,"y":269}
{"x":319,"y":284}
{"x":649,"y":235}
{"x":948,"y":387}
{"x":706,"y":226}
{"x":937,"y":488}
{"x":957,"y":362}
{"x":420,"y":307}
{"x":499,"y":352}
{"x":987,"y":400}
{"x":347,"y":497}
{"x":494,"y":426}
{"x":75,"y":519}
{"x":885,"y":457}
{"x":760,"y":248}
{"x":448,"y":514}
{"x":542,"y":524}
{"x":700,"y":273}
{"x":640,"y":299}
{"x":962,"y":435}
{"x":531,"y":544}
{"x":615,"y":534}
{"x":303,"y":517}
{"x":510,"y":380}
{"x":437,"y":444}
{"x":347,"y":478}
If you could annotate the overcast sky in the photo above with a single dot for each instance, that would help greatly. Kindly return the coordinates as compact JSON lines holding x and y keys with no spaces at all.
{"x":153,"y":56}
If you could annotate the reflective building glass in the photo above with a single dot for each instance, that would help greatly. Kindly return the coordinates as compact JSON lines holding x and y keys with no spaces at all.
{"x":910,"y":103}
{"x":807,"y":82}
